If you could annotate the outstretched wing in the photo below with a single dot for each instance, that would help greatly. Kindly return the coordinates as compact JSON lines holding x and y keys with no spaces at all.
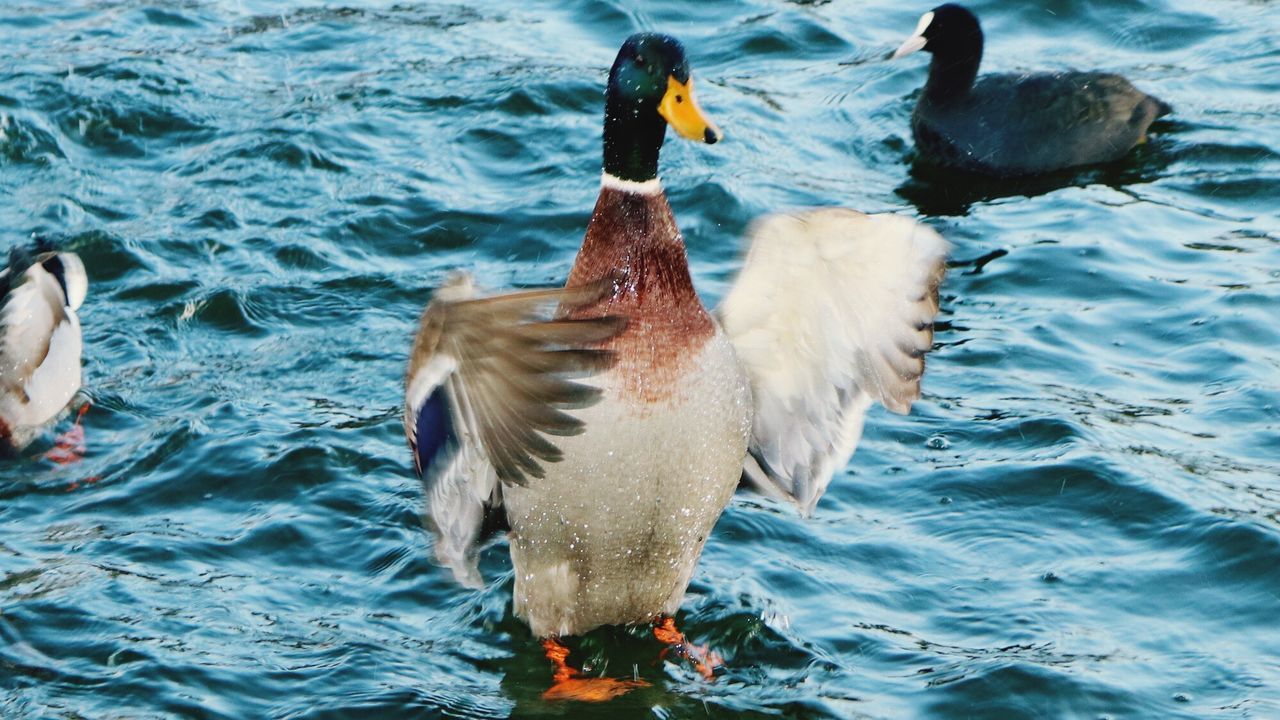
{"x":489,"y":380}
{"x":833,"y":309}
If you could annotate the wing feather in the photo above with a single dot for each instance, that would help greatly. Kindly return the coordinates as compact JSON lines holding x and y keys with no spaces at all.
{"x":833,"y":310}
{"x":490,"y":381}
{"x":40,"y":341}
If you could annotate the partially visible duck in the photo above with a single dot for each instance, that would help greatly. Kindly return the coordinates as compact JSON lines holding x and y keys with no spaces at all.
{"x":1017,"y":124}
{"x":40,"y":292}
{"x":608,"y":424}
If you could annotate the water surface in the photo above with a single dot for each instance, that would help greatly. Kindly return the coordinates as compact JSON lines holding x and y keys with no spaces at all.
{"x":1081,"y":518}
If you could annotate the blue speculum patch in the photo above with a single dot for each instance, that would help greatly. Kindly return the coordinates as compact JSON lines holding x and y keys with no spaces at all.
{"x":434,"y":428}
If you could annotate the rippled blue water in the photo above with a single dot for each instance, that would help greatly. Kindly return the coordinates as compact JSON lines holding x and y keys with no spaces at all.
{"x":1080,"y":519}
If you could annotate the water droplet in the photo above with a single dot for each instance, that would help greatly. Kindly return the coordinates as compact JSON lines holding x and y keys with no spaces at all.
{"x":937,"y":442}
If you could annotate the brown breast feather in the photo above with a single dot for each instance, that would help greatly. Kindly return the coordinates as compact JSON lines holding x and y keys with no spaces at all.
{"x":633,"y":236}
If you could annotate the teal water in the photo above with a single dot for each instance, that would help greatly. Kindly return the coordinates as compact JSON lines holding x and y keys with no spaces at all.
{"x":1081,"y":518}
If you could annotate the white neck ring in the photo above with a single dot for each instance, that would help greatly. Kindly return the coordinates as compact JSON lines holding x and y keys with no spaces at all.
{"x":613,"y":182}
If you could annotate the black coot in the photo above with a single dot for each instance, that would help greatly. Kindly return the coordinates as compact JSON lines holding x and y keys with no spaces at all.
{"x":1009,"y":124}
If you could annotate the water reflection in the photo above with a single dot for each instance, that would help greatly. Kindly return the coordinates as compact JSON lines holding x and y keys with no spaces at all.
{"x":940,"y":191}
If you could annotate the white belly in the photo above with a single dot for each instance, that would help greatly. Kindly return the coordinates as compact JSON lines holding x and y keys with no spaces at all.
{"x":613,"y":532}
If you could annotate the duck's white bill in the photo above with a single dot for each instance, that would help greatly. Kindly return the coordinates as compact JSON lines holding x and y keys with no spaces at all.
{"x":912,"y":44}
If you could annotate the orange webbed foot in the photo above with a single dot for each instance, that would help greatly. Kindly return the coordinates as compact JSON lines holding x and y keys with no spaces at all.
{"x":570,"y":684}
{"x":69,"y":447}
{"x":704,"y":660}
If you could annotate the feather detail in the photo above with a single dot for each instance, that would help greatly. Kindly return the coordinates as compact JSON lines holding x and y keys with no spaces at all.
{"x":833,"y":310}
{"x":40,"y":342}
{"x":489,"y":382}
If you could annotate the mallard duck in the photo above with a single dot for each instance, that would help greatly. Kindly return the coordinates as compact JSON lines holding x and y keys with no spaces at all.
{"x":40,"y":292}
{"x":1017,"y":124}
{"x":607,"y":424}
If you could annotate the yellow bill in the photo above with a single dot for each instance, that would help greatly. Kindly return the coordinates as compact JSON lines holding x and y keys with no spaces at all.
{"x":681,"y":112}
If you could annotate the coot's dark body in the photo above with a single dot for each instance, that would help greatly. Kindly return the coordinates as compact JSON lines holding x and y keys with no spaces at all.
{"x":1009,"y":124}
{"x":1028,"y":124}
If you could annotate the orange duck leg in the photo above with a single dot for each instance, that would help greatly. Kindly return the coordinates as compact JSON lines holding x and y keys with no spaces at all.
{"x":69,"y":447}
{"x":704,"y":660}
{"x":570,"y":684}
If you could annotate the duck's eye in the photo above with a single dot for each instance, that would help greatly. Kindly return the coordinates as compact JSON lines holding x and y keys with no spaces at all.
{"x":679,"y":98}
{"x":640,"y":60}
